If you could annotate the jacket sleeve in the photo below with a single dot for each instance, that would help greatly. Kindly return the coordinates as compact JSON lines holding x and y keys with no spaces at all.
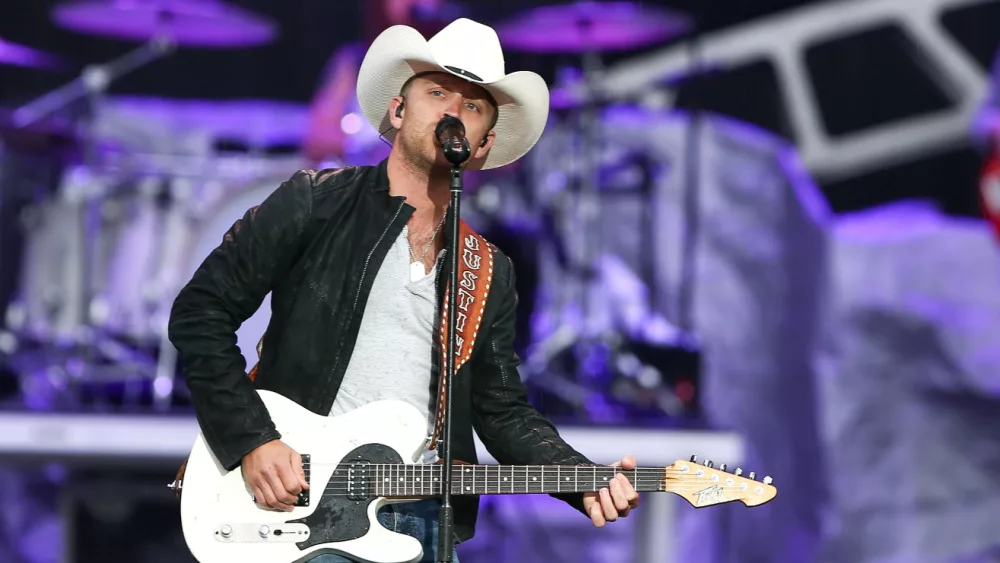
{"x":226,"y":290}
{"x":511,"y":429}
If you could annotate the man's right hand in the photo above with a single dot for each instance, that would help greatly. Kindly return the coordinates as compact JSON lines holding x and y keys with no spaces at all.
{"x":274,"y":473}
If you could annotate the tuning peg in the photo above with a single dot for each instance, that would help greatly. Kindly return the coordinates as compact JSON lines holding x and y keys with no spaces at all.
{"x":753,"y":475}
{"x":694,"y":459}
{"x":768,"y":480}
{"x":722,"y":467}
{"x":708,"y":463}
{"x":738,"y":472}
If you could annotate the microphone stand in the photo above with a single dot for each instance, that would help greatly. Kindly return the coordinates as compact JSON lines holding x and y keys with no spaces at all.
{"x":456,"y":151}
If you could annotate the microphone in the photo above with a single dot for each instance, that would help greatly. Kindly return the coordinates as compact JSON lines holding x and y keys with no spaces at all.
{"x":450,"y":133}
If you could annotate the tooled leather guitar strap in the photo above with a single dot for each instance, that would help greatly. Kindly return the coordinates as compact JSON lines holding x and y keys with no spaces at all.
{"x":475,"y":277}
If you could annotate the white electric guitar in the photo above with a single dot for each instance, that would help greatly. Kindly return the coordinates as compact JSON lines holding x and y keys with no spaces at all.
{"x":357,"y":462}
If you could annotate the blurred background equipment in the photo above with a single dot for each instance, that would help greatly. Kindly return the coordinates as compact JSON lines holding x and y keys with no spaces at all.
{"x":592,"y":365}
{"x":101,"y":252}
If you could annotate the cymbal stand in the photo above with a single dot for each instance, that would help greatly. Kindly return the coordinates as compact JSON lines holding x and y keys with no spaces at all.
{"x":93,"y":81}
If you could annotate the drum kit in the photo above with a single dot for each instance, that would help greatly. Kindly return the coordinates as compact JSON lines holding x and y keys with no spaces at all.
{"x":113,"y":238}
{"x":107,"y":250}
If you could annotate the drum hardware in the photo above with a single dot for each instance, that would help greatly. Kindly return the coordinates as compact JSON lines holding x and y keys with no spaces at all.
{"x":578,"y":350}
{"x":73,"y":328}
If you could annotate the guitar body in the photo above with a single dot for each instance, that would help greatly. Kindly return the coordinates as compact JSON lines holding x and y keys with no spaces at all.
{"x":357,"y":462}
{"x":223,"y":524}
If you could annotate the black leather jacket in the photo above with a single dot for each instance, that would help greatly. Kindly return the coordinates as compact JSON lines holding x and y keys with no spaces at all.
{"x":316,"y":244}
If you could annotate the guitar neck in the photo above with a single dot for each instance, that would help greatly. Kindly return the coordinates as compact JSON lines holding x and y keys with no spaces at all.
{"x":424,"y":480}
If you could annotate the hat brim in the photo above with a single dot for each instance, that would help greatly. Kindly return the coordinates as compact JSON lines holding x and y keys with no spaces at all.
{"x":400,"y":52}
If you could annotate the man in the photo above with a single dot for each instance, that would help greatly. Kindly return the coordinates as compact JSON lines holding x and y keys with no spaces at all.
{"x":353,"y":260}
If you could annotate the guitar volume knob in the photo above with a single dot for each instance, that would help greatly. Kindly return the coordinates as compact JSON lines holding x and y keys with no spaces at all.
{"x":264,"y":531}
{"x":226,"y":531}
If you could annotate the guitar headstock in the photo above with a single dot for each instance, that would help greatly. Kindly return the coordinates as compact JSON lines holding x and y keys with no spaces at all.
{"x":703,"y":485}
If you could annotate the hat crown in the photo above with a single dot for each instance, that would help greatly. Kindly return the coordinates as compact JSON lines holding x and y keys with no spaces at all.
{"x":469,"y":49}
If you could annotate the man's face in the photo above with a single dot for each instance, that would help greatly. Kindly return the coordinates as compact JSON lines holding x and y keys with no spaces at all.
{"x":429,"y":98}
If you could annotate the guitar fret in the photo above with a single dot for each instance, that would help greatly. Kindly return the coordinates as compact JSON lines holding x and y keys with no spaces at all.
{"x":422,"y":480}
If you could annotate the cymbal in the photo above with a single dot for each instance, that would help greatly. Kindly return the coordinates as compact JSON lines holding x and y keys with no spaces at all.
{"x":591,"y":26}
{"x":188,"y":23}
{"x":19,"y":55}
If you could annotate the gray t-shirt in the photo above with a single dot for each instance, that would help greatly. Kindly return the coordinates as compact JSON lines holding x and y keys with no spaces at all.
{"x":392,"y":357}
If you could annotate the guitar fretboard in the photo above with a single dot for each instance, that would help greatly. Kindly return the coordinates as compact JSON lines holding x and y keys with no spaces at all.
{"x":424,"y":480}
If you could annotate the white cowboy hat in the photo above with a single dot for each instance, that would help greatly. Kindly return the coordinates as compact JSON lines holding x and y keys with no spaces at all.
{"x":469,"y":50}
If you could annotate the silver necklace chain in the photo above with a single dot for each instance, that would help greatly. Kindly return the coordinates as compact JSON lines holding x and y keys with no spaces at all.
{"x":429,"y":243}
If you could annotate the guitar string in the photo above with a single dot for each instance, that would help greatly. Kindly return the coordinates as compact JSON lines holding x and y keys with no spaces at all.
{"x":493,"y":468}
{"x":558,"y":476}
{"x":416,"y":488}
{"x":406,"y":493}
{"x":409,"y":476}
{"x":433,"y":471}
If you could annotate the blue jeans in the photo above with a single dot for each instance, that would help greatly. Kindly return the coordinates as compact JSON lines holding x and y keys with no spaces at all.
{"x":417,"y":519}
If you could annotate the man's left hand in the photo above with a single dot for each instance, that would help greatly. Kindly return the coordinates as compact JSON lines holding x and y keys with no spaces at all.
{"x":614,"y":501}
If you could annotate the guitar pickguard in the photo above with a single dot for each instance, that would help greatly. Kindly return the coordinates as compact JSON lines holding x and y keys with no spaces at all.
{"x":340,"y":516}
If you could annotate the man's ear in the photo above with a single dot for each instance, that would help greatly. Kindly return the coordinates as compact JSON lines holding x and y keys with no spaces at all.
{"x":484,"y":145}
{"x":396,"y":105}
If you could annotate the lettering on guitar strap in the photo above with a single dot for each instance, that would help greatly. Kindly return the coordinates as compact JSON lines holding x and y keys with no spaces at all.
{"x":475,"y":277}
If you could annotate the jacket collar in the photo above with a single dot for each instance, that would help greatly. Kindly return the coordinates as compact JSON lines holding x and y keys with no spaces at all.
{"x":381,"y":185}
{"x":382,"y":176}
